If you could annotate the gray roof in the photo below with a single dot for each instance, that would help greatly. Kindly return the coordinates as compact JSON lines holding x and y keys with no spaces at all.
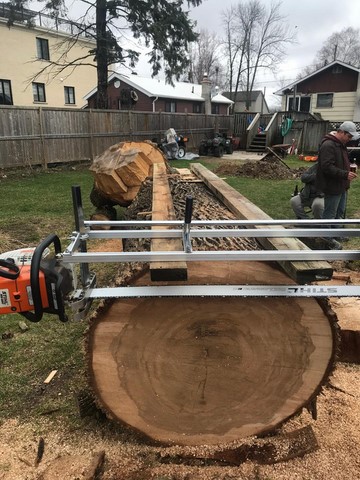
{"x":154,"y":87}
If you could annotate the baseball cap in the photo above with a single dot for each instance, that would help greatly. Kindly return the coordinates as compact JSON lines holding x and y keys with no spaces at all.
{"x":350,"y":127}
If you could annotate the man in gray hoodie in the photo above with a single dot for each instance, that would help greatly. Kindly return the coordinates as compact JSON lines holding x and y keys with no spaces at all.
{"x":333,"y":174}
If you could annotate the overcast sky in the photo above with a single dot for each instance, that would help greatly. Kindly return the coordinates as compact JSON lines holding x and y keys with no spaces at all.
{"x":313,"y":20}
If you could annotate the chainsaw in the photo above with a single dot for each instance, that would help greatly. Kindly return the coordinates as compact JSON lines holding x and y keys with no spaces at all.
{"x":33,"y":281}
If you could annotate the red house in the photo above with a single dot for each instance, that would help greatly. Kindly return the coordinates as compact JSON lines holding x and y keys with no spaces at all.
{"x":132,"y":92}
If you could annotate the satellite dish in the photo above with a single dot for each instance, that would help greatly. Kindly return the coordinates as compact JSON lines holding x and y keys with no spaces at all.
{"x":117,"y":83}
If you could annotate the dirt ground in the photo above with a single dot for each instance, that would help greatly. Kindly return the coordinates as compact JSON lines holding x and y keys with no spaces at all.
{"x":68,"y":454}
{"x":268,"y":167}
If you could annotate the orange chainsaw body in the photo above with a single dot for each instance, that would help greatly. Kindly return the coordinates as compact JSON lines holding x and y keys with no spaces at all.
{"x":16,"y":294}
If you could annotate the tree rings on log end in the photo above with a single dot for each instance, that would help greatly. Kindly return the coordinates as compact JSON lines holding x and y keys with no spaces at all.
{"x":209,"y":370}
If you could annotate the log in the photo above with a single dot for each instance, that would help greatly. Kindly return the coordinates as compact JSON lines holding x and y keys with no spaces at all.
{"x":163,"y":209}
{"x":120,"y":170}
{"x":209,"y":370}
{"x":301,"y":272}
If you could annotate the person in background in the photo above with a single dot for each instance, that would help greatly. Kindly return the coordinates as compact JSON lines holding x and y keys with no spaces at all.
{"x":309,"y":196}
{"x":333,"y":175}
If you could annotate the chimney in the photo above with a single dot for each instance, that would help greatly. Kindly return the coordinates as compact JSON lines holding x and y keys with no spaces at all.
{"x":206,"y":93}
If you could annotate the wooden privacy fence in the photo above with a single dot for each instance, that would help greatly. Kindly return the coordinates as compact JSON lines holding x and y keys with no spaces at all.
{"x":308,"y":134}
{"x":41,"y":136}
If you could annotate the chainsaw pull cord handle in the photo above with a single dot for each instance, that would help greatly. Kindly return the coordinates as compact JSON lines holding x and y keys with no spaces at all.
{"x":188,"y":216}
{"x":37,"y":315}
{"x":12,"y":271}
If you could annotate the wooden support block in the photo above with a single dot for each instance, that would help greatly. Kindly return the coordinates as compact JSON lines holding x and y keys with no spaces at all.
{"x":163,"y":209}
{"x":301,"y":272}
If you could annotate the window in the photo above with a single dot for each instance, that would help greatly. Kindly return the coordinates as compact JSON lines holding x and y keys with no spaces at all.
{"x":324,"y":100}
{"x":291,"y":103}
{"x":42,"y":47}
{"x":196,"y":107}
{"x":215,"y":108}
{"x":69,"y":93}
{"x":5,"y":93}
{"x":170,"y":106}
{"x":302,"y":103}
{"x":337,"y":69}
{"x":39,"y":92}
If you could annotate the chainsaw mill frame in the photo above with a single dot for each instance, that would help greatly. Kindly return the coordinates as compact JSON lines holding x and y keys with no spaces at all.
{"x":77,"y":253}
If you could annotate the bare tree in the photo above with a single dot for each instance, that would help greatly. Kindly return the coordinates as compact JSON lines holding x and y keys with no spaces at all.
{"x":343,"y":46}
{"x":204,"y":57}
{"x":163,"y":25}
{"x":259,"y":42}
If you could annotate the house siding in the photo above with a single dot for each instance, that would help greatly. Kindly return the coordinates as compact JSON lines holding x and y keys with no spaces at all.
{"x":327,"y":81}
{"x":254,"y":107}
{"x":19,"y":64}
{"x":257,"y":105}
{"x":342,"y":109}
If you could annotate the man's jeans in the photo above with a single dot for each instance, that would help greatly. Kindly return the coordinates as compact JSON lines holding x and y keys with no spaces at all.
{"x":335,"y":206}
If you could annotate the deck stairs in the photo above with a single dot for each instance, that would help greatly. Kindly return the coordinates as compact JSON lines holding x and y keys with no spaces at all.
{"x":258,"y":143}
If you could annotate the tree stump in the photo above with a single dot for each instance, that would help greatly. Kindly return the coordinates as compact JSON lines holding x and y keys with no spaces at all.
{"x":210,"y":370}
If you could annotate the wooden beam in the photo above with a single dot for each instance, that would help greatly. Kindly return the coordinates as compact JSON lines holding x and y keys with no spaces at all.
{"x":242,"y":208}
{"x":163,"y":209}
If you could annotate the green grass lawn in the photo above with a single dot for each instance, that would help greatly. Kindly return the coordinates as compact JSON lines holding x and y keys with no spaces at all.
{"x":38,"y":203}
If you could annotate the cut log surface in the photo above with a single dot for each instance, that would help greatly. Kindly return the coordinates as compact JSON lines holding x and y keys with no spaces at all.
{"x":209,"y":370}
{"x":121,"y":169}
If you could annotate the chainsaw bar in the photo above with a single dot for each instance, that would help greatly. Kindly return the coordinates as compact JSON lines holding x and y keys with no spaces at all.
{"x":222,"y":291}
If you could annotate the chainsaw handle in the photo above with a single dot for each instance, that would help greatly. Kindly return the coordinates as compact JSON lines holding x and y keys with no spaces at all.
{"x":34,"y":275}
{"x":12,"y":271}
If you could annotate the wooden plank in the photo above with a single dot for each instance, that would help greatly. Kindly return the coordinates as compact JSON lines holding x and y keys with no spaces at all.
{"x":163,"y":209}
{"x":50,"y":376}
{"x":271,"y":150}
{"x":188,"y":176}
{"x":301,"y":272}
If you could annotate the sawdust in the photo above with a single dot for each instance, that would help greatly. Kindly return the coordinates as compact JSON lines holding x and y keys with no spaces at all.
{"x":337,"y":430}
